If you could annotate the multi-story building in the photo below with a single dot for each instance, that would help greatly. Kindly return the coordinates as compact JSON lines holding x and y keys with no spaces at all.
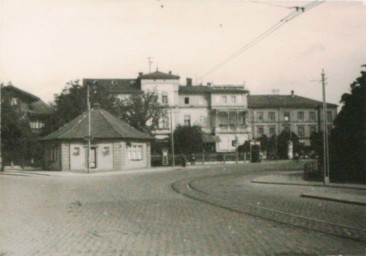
{"x":228,"y":115}
{"x":36,"y":110}
{"x":271,"y":114}
{"x":221,"y":111}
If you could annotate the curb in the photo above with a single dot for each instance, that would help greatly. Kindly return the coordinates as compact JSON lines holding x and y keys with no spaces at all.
{"x":307,"y":184}
{"x":341,"y":200}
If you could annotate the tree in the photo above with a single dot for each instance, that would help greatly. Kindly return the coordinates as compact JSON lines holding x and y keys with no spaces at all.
{"x":282,"y":143}
{"x":272,"y":147}
{"x":188,"y":139}
{"x":71,"y":102}
{"x":142,"y":111}
{"x":17,"y":140}
{"x":348,"y":138}
{"x":264,"y":141}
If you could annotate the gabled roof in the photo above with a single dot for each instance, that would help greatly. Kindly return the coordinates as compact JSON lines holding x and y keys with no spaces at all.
{"x":103,"y":126}
{"x":283,"y":101}
{"x":116,"y":86}
{"x":159,"y":75}
{"x":29,"y":102}
{"x":39,"y":108}
{"x":19,"y":92}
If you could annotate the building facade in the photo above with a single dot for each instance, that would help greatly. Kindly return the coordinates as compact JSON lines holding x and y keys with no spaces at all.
{"x":271,"y":114}
{"x":30,"y":105}
{"x":115,"y":145}
{"x":228,"y":114}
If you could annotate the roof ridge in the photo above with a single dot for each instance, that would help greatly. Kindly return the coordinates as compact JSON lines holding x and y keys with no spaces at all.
{"x":103,"y":112}
{"x":82,"y":117}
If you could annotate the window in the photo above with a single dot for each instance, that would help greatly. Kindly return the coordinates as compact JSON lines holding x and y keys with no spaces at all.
{"x":233,"y":99}
{"x":329,"y":116}
{"x":187,"y":120}
{"x":260,"y":130}
{"x":311,"y":116}
{"x":300,"y":116}
{"x":286,"y":116}
{"x":36,"y":124}
{"x":224,"y":99}
{"x":164,"y":99}
{"x":312,"y":129}
{"x":186,"y":100}
{"x":134,"y":152}
{"x":272,"y":130}
{"x":164,"y":122}
{"x":301,"y":131}
{"x":260,"y":116}
{"x":76,"y":151}
{"x":13,"y":101}
{"x":106,"y":151}
{"x":272,"y":116}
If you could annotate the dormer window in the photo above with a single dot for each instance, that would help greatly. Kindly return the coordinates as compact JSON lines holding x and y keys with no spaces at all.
{"x":13,"y":101}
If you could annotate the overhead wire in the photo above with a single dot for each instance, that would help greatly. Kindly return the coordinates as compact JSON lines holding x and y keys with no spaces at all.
{"x":263,"y":35}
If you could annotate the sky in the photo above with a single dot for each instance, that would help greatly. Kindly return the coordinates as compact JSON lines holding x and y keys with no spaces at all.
{"x":44,"y":44}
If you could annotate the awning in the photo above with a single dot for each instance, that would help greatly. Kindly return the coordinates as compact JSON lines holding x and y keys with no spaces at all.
{"x":208,"y":138}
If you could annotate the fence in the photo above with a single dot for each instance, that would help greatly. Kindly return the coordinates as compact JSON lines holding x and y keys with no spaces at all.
{"x":200,"y":158}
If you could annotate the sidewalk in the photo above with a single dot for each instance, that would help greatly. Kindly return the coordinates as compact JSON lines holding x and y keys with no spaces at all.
{"x":346,"y":193}
{"x":27,"y":172}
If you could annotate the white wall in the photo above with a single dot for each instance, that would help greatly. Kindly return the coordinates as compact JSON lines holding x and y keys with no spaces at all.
{"x":163,"y":87}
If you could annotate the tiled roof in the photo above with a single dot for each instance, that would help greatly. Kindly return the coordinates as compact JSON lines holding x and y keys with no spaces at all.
{"x":28,"y":102}
{"x":202,"y":89}
{"x":103,"y":124}
{"x":283,"y":101}
{"x":116,"y":86}
{"x":159,"y":75}
{"x":39,"y":107}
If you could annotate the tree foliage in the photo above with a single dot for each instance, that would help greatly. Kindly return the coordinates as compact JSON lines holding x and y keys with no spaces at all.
{"x":282,"y":143}
{"x":72,"y":101}
{"x":18,"y":143}
{"x":348,"y":138}
{"x":188,"y":139}
{"x":142,"y":111}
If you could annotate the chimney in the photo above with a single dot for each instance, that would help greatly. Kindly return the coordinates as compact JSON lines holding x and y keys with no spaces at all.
{"x":140,"y":74}
{"x":170,"y":72}
{"x":189,"y":81}
{"x":292,"y":93}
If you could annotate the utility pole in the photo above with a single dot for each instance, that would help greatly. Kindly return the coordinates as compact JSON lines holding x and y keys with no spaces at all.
{"x":172,"y":136}
{"x":1,"y":159}
{"x":325,"y":135}
{"x":150,"y":62}
{"x":89,"y":127}
{"x":236,"y":137}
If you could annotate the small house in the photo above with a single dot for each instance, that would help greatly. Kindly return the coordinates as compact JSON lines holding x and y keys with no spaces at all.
{"x":115,"y":145}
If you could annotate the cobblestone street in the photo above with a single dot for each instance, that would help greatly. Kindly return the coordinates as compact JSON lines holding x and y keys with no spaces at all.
{"x":140,"y":214}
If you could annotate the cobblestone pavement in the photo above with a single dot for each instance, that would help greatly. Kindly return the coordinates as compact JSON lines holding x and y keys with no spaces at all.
{"x":140,"y":214}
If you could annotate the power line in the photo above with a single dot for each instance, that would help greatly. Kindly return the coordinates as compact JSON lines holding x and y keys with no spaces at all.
{"x":283,"y":21}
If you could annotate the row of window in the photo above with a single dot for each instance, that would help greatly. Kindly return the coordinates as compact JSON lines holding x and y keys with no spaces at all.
{"x":36,"y":124}
{"x":224,"y":99}
{"x":300,"y":130}
{"x":287,"y":117}
{"x":134,"y":152}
